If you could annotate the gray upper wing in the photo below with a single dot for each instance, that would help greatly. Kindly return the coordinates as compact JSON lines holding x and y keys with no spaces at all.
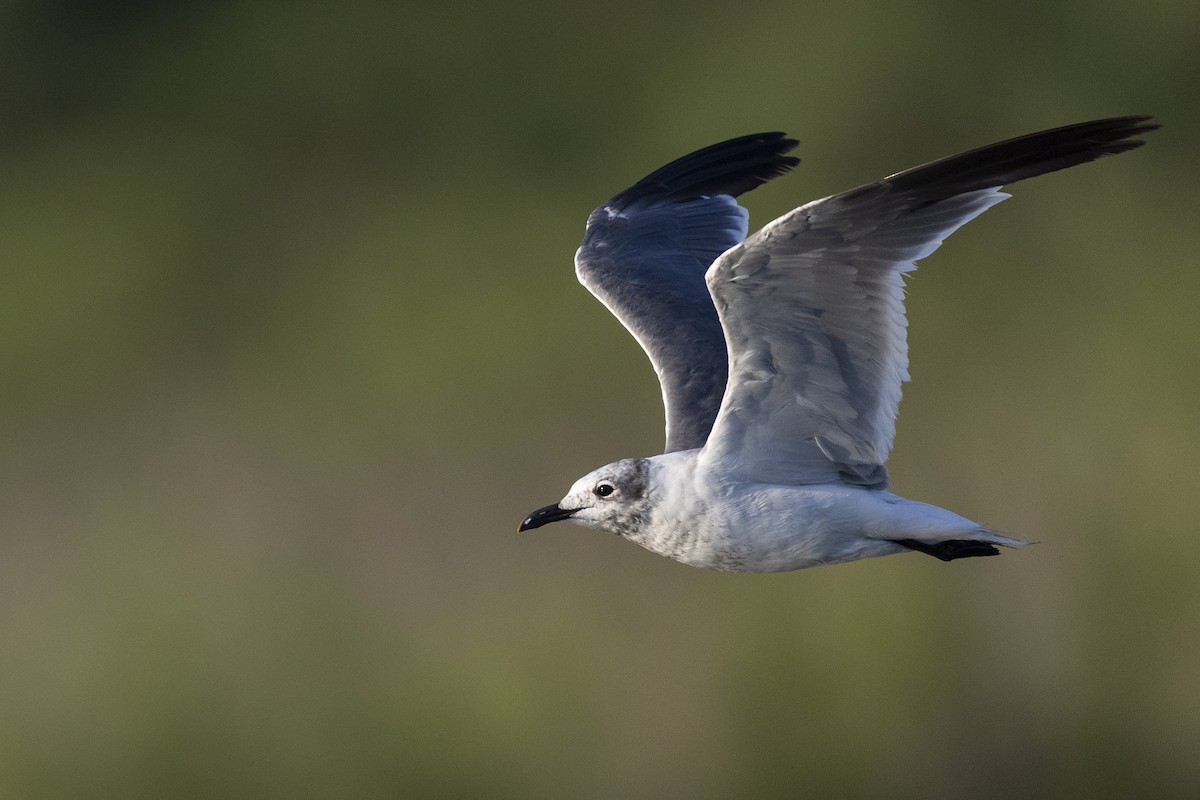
{"x":813,"y":307}
{"x":644,"y":256}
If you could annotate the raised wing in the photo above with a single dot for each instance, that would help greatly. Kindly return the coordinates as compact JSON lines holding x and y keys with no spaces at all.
{"x":644,"y":255}
{"x":813,"y":306}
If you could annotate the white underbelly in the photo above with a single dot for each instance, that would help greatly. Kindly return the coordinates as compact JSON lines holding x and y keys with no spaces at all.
{"x":771,"y":528}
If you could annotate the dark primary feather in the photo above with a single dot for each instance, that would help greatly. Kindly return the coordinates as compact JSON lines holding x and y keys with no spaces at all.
{"x":950,"y":549}
{"x":1013,"y":159}
{"x":732,"y":167}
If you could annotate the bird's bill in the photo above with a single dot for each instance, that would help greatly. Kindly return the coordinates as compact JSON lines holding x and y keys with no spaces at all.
{"x":542,"y":516}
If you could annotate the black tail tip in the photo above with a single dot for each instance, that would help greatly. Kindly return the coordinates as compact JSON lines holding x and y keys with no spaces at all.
{"x":951,"y":548}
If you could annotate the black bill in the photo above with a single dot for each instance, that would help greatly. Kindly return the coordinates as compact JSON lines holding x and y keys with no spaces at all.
{"x":542,"y":516}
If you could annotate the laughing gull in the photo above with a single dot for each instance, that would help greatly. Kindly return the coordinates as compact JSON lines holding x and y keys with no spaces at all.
{"x":781,"y":355}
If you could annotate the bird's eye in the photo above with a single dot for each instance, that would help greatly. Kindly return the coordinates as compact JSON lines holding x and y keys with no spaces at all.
{"x":604,"y":489}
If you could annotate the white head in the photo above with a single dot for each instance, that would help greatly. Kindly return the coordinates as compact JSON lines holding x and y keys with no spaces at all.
{"x":614,"y":498}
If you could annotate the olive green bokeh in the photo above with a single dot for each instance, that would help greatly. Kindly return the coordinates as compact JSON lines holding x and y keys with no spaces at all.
{"x":290,"y":342}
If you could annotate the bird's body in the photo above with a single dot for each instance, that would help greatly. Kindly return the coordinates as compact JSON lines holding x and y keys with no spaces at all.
{"x":781,"y":355}
{"x":706,"y":517}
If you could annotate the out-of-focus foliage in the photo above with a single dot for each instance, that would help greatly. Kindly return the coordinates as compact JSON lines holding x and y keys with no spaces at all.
{"x":290,"y":341}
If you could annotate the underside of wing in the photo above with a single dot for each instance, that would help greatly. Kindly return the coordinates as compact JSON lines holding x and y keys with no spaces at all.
{"x":813,"y":308}
{"x":644,"y":256}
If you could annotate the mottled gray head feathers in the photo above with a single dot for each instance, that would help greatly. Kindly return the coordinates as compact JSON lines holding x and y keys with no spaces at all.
{"x":615,"y":498}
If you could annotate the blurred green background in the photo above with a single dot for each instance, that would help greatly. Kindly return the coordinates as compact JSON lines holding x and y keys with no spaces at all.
{"x":290,"y":341}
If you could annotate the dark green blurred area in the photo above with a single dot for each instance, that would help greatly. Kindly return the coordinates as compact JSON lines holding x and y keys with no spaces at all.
{"x":290,"y":341}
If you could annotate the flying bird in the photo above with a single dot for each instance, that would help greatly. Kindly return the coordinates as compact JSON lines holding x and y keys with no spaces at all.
{"x":781,"y":355}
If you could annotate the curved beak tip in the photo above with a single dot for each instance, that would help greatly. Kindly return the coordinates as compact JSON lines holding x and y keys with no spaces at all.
{"x":551,"y":513}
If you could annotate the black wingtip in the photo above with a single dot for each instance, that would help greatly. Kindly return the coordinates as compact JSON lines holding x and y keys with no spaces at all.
{"x":732,"y":167}
{"x":951,"y":549}
{"x":1016,"y":159}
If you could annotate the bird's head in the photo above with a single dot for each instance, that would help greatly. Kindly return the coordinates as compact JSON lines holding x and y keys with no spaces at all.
{"x":614,"y":498}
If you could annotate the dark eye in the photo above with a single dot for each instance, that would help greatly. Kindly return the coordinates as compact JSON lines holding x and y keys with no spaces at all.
{"x":604,"y":489}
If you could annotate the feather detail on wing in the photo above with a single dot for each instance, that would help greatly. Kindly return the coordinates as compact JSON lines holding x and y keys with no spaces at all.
{"x":812,"y":307}
{"x":644,"y":256}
